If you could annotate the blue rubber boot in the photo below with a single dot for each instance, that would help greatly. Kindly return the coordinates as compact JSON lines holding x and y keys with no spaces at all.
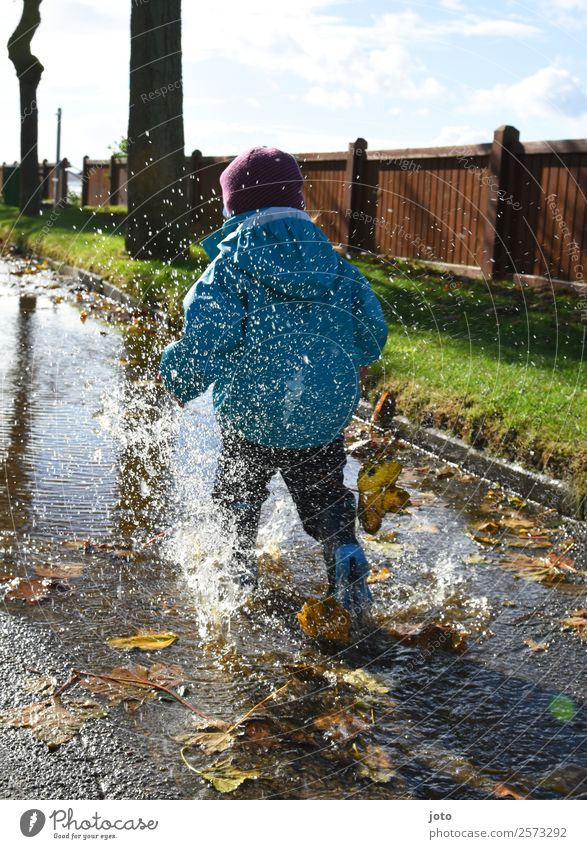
{"x":350,"y":579}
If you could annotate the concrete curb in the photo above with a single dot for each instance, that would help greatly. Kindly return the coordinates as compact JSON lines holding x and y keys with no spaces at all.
{"x":95,"y":283}
{"x":530,"y":485}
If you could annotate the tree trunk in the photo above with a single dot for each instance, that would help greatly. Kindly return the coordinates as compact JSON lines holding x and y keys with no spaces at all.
{"x":29,"y":71}
{"x":158,"y":224}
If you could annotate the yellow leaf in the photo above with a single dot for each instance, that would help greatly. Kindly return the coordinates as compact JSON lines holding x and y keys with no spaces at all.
{"x":326,"y":619}
{"x":362,"y":680}
{"x":379,"y":576}
{"x":225,"y":777}
{"x":395,"y":499}
{"x":143,"y":640}
{"x":374,"y":477}
{"x":534,"y":646}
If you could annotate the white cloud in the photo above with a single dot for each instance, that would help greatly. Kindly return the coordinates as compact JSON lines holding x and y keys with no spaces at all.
{"x":548,"y":93}
{"x":461,"y":134}
{"x":330,"y":99}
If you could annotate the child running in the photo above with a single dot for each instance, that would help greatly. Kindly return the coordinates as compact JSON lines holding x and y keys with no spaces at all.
{"x":280,"y":324}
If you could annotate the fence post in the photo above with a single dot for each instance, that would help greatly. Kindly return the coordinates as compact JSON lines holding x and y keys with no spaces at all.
{"x":354,"y":178}
{"x":502,"y":168}
{"x":85,"y":181}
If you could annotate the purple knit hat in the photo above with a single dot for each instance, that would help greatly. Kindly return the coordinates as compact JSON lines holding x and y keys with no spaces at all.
{"x":260,"y":177}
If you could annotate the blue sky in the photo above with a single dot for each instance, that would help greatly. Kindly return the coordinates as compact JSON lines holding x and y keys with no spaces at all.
{"x":314,"y":74}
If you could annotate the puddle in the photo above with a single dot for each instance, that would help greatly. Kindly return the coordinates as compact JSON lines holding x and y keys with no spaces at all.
{"x":93,"y":451}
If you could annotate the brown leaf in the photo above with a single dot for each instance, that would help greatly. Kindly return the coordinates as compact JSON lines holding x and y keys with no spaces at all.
{"x":577,"y":621}
{"x":64,"y":570}
{"x":53,"y":721}
{"x":374,"y":763}
{"x":487,"y":528}
{"x":505,"y":792}
{"x":326,"y":619}
{"x":30,"y":590}
{"x":547,"y":570}
{"x":534,"y":646}
{"x":134,"y":684}
{"x":211,"y":742}
{"x":430,"y":635}
{"x":261,"y":731}
{"x":341,"y":726}
{"x":446,"y":472}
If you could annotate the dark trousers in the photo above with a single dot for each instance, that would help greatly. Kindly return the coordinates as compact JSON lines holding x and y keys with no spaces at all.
{"x":313,"y":476}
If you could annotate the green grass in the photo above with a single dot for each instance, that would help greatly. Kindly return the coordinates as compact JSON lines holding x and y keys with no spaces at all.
{"x":498,"y":366}
{"x":92,"y":239}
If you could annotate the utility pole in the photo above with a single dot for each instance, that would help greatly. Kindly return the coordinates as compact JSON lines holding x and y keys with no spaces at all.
{"x":56,"y":198}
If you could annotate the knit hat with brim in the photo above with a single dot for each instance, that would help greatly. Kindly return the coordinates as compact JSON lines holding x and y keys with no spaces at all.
{"x":262,"y":177}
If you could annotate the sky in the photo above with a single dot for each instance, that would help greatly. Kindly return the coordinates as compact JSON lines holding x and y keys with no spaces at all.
{"x":313,"y":75}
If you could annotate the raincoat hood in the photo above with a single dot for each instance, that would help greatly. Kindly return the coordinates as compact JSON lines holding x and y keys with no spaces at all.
{"x":280,"y":247}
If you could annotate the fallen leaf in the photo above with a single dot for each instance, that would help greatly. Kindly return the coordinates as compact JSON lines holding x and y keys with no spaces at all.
{"x":64,"y":570}
{"x":134,"y":684}
{"x":516,"y":501}
{"x":486,"y":528}
{"x":379,"y":576}
{"x":261,"y":731}
{"x":375,"y":477}
{"x":446,"y":472}
{"x":534,"y":646}
{"x":29,"y":590}
{"x":430,"y":635}
{"x":54,"y":721}
{"x":326,"y":619}
{"x":505,"y":792}
{"x":537,"y":542}
{"x":361,"y":680}
{"x":211,"y":742}
{"x":485,"y":540}
{"x":547,"y":570}
{"x":577,"y":621}
{"x":83,"y":316}
{"x":225,"y":777}
{"x":77,"y":543}
{"x":374,"y":763}
{"x":144,"y":640}
{"x":340,"y":726}
{"x":517,"y":524}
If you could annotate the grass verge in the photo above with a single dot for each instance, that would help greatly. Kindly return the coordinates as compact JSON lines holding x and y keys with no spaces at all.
{"x":498,"y":365}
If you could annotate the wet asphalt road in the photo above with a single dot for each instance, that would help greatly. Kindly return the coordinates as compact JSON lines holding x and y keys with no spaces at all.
{"x":92,"y":451}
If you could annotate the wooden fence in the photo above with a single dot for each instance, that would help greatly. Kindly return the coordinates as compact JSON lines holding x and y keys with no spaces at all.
{"x":9,"y":175}
{"x":499,"y":209}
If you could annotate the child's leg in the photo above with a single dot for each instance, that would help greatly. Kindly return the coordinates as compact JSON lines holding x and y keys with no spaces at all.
{"x":240,"y":488}
{"x":314,"y":477}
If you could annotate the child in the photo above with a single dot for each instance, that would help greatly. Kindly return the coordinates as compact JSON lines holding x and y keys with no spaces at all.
{"x":281,"y":325}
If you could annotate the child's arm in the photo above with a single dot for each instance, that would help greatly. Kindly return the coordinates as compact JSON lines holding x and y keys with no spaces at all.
{"x":370,"y":327}
{"x":212,"y":336}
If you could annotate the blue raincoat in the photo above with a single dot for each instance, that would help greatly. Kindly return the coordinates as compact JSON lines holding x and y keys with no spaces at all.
{"x":280,"y":324}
